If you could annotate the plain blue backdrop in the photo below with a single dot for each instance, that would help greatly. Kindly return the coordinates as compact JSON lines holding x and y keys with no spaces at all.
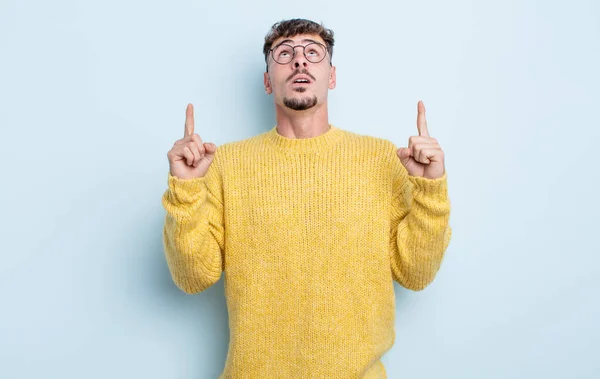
{"x":93,"y":95}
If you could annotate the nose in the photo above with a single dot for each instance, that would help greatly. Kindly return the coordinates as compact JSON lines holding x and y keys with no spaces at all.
{"x":302,"y":61}
{"x":299,"y":58}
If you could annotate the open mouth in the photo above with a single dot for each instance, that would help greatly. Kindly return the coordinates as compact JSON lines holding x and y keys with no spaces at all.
{"x":301,"y":81}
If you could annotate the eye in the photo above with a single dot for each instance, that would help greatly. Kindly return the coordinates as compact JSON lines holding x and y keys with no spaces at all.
{"x":283,"y":52}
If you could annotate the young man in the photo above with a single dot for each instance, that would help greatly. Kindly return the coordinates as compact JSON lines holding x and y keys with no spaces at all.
{"x":310,"y":224}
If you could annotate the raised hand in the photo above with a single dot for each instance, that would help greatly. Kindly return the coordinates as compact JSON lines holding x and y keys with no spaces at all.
{"x":423,"y":156}
{"x":190,"y":157}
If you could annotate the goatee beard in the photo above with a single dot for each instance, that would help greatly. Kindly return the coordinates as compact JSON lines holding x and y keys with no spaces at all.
{"x":300,"y":104}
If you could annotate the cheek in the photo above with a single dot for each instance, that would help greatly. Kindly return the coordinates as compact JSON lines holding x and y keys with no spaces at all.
{"x":326,"y":76}
{"x":277,"y":82}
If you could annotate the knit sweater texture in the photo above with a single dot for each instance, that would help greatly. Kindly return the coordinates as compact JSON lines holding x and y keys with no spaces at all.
{"x":310,"y":234}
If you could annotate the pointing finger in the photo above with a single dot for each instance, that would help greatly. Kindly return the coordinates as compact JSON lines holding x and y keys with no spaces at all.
{"x":421,"y":121}
{"x":189,"y":121}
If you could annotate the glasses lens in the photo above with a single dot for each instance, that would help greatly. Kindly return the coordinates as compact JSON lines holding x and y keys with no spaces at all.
{"x":314,"y":52}
{"x":283,"y":54}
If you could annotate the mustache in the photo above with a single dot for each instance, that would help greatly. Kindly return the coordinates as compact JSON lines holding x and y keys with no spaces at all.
{"x":304,"y":72}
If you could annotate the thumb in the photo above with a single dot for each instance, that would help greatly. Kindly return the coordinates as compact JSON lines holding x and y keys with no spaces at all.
{"x":210,"y":149}
{"x":404,"y":155}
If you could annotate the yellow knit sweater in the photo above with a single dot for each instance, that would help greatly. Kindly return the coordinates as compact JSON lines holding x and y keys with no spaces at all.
{"x":310,"y":233}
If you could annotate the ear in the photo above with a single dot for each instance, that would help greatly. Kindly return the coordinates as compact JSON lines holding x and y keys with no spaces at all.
{"x":267,"y":80}
{"x":332,"y":78}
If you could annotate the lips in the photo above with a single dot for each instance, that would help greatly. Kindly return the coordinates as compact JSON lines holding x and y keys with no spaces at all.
{"x":301,"y":79}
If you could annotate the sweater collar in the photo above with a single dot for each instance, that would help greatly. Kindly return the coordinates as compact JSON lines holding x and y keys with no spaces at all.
{"x":300,"y":145}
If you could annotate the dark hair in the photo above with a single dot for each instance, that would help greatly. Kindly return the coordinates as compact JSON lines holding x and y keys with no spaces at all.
{"x":294,"y":27}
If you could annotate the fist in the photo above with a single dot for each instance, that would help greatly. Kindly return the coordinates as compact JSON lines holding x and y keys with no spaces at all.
{"x":190,"y":157}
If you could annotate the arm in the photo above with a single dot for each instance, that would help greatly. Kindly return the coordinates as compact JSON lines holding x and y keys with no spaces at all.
{"x":420,"y":230}
{"x":193,"y":234}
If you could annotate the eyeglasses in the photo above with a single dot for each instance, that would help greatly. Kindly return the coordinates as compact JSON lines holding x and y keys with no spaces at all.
{"x":314,"y":52}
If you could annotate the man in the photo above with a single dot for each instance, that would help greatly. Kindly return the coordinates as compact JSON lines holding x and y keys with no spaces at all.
{"x":310,"y":224}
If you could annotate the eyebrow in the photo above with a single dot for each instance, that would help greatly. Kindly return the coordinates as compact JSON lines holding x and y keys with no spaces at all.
{"x":304,"y":40}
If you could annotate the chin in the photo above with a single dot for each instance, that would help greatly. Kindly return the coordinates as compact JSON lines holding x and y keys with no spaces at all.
{"x":300,"y":103}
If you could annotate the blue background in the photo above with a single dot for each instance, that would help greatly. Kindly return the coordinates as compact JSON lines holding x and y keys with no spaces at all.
{"x":93,"y":95}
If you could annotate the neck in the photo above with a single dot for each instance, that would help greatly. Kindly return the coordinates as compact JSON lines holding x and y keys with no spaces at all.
{"x":302,"y":124}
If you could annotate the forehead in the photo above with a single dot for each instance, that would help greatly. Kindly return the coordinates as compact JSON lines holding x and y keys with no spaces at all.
{"x":300,"y":39}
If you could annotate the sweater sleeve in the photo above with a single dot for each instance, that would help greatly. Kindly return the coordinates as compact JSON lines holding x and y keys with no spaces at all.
{"x":420,"y":230}
{"x":193,"y":233}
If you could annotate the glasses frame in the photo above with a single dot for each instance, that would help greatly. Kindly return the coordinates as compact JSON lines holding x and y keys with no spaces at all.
{"x":303,"y":52}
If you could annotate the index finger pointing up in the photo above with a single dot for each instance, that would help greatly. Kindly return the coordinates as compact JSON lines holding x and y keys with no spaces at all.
{"x":189,"y":121}
{"x":421,"y":121}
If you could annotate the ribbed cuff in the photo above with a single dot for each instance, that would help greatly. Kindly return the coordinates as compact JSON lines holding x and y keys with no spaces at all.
{"x":185,"y":191}
{"x":436,"y":188}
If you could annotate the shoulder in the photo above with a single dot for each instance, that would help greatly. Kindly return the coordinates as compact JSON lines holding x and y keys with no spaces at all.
{"x":376,"y":146}
{"x":243,"y":146}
